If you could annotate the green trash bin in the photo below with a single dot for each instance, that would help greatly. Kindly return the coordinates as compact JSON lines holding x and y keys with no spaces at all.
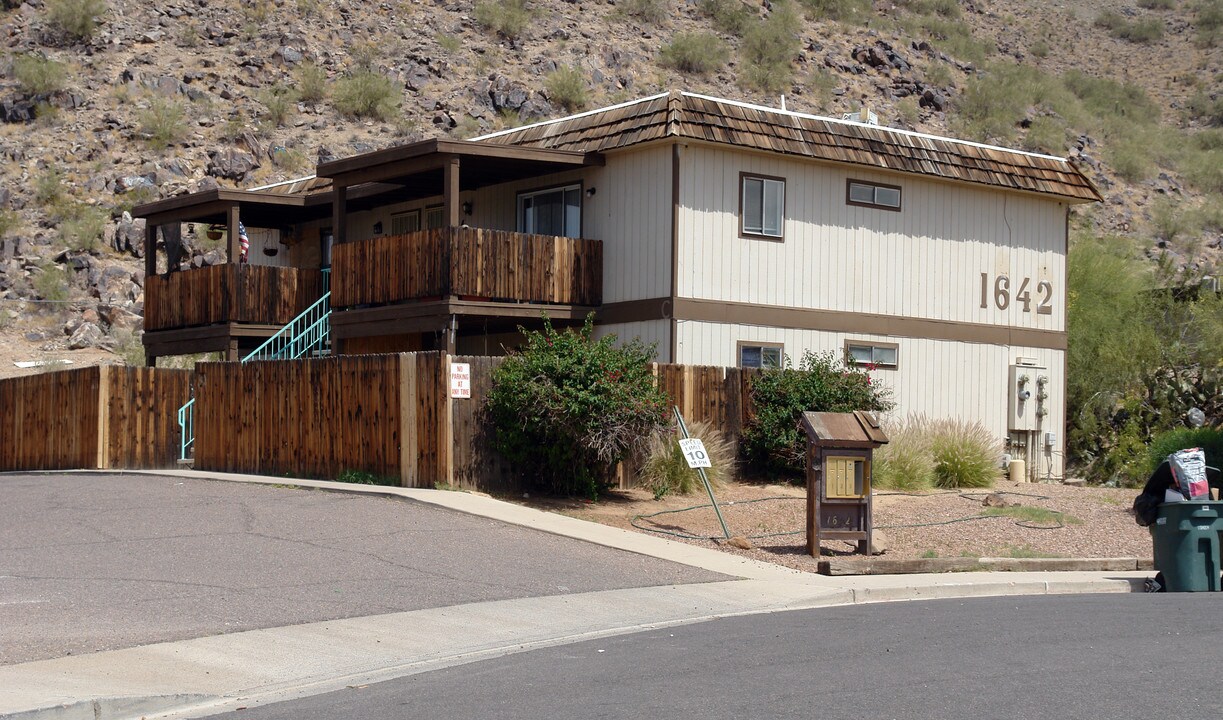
{"x":1186,"y":543}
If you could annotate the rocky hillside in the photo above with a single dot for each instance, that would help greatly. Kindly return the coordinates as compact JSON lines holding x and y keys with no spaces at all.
{"x":109,"y":103}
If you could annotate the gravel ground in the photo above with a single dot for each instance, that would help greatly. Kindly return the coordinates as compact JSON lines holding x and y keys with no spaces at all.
{"x":1096,"y":522}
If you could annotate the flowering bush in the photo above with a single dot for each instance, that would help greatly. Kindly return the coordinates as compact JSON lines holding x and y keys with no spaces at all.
{"x":566,"y":408}
{"x":773,"y":440}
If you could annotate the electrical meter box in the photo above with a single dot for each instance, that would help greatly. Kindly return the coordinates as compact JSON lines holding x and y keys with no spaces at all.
{"x":1027,"y":396}
{"x":839,"y":451}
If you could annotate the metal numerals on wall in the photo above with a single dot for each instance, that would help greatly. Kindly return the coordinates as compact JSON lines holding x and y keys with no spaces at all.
{"x":1001,"y":296}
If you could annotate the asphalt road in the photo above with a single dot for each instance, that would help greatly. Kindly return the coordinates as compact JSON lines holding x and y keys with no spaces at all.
{"x":1090,"y":656}
{"x":90,"y":562}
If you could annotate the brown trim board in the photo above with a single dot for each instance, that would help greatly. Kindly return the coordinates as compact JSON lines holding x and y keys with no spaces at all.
{"x":829,"y":321}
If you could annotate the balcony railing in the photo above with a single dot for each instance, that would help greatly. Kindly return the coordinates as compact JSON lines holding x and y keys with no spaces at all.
{"x":253,"y":294}
{"x":469,"y":263}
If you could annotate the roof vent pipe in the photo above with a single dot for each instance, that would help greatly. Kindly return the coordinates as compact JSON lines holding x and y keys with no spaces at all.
{"x":783,"y":101}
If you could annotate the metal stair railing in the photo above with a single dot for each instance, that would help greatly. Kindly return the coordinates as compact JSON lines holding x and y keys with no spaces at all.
{"x":309,"y":332}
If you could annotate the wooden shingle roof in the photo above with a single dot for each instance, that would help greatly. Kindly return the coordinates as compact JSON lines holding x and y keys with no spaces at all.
{"x":698,"y":117}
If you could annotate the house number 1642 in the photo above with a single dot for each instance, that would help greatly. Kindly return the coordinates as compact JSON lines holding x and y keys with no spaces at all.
{"x":1000,"y":293}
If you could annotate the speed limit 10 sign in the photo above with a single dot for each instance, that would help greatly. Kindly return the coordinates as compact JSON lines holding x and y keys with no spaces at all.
{"x":694,"y":453}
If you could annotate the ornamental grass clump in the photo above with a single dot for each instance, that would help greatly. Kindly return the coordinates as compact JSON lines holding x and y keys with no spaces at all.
{"x":565,"y":408}
{"x":966,"y":454}
{"x":906,"y":462}
{"x":665,"y":471}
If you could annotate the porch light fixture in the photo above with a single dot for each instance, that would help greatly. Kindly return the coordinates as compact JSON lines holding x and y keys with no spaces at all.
{"x":467,"y":208}
{"x":378,"y":228}
{"x":590,"y":192}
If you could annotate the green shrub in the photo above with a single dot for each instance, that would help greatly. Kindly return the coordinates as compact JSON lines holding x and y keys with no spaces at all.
{"x":665,"y":469}
{"x":51,"y":283}
{"x":768,"y":51}
{"x":8,"y":222}
{"x":364,"y":477}
{"x":1204,"y":170}
{"x":49,"y":187}
{"x":566,"y":409}
{"x":280,"y":102}
{"x":906,"y":462}
{"x":1202,"y":107}
{"x":448,"y":42}
{"x":1039,"y":49}
{"x":38,"y":75}
{"x":311,"y":83}
{"x":507,"y":18}
{"x":695,"y":52}
{"x":839,"y":10}
{"x":1157,"y":4}
{"x":730,"y":16}
{"x":1139,"y":31}
{"x":650,"y":11}
{"x":949,"y":9}
{"x":773,"y":441}
{"x":567,"y":87}
{"x":966,"y":454}
{"x":367,"y":94}
{"x":1166,"y":443}
{"x":77,"y":19}
{"x":82,"y":227}
{"x":1131,"y":159}
{"x":163,"y":123}
{"x":1046,"y":134}
{"x":1208,"y":21}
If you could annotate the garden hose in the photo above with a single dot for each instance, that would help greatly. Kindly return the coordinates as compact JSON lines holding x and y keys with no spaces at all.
{"x":969,"y":496}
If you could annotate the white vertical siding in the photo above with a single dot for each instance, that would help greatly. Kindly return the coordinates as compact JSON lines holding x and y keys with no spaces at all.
{"x":924,"y":261}
{"x":652,"y":332}
{"x":940,"y":378}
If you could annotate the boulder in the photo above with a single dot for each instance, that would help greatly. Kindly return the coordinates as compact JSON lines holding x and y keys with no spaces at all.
{"x":231,"y":164}
{"x":880,"y":542}
{"x":86,"y":336}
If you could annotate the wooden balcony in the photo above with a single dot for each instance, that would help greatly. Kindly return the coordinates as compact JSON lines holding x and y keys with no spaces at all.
{"x":468,"y":263}
{"x":232,"y":294}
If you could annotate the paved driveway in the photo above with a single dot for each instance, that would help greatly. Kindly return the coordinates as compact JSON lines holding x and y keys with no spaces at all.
{"x":98,"y":562}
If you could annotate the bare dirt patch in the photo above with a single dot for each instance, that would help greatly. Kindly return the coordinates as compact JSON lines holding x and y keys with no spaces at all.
{"x":1093,"y":522}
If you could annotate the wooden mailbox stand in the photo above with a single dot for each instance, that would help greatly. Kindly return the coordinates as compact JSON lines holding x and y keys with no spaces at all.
{"x":839,"y":450}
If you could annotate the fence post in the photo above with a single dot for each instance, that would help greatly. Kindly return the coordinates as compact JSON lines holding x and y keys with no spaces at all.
{"x":409,"y":450}
{"x":103,"y":412}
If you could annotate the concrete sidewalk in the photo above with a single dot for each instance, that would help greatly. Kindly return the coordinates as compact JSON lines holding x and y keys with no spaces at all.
{"x":224,"y":672}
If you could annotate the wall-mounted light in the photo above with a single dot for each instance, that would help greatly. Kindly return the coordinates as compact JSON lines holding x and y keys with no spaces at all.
{"x":378,"y":228}
{"x":590,"y":192}
{"x":467,"y":208}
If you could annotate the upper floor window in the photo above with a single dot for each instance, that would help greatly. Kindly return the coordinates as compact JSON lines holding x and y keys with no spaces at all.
{"x":759,"y":355}
{"x":762,"y":206}
{"x":879,"y":355}
{"x":866,"y":194}
{"x":555,"y":211}
{"x":405,"y":222}
{"x":434,"y":217}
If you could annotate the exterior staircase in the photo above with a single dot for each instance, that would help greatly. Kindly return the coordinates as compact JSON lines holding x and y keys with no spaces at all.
{"x":307,"y":335}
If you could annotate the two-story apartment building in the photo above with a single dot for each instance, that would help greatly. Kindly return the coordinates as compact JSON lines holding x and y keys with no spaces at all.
{"x":726,"y":233}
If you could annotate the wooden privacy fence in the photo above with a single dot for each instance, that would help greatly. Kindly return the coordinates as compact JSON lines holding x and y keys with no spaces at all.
{"x":95,"y":417}
{"x":392,"y":416}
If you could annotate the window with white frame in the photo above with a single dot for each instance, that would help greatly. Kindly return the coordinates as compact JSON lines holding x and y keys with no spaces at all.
{"x":405,"y":222}
{"x":867,"y":194}
{"x":762,"y":206}
{"x":555,"y":211}
{"x":759,"y":355}
{"x":879,"y":355}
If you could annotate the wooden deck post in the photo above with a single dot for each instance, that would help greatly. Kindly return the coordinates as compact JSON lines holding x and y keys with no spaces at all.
{"x":231,"y":354}
{"x":339,"y":215}
{"x":232,"y":219}
{"x":150,"y":249}
{"x":450,"y":192}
